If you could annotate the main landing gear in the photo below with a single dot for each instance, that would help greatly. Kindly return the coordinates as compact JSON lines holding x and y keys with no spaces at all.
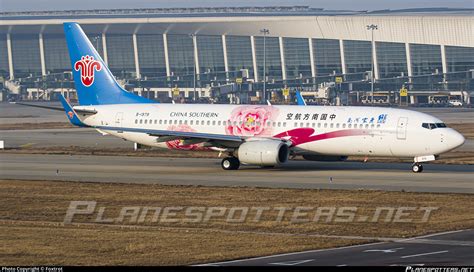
{"x":417,"y":167}
{"x":230,"y":163}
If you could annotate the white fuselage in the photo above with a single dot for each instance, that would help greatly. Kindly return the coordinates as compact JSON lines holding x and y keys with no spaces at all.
{"x":324,"y":130}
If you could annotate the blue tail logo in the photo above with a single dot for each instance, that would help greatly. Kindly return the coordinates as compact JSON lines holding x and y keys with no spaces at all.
{"x":87,"y":65}
{"x":95,"y":84}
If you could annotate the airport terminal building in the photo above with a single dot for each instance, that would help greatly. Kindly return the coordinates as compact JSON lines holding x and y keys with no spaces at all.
{"x":232,"y":54}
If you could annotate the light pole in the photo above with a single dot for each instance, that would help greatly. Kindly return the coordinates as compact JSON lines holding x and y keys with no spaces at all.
{"x":372,"y":27}
{"x":264,"y":32}
{"x":194,"y":61}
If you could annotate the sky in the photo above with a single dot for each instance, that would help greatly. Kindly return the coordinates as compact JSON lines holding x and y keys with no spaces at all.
{"x":40,"y":5}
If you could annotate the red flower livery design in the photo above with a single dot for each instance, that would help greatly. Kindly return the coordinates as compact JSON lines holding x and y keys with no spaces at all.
{"x":178,"y":144}
{"x":87,"y":64}
{"x":251,"y":121}
{"x":70,"y":114}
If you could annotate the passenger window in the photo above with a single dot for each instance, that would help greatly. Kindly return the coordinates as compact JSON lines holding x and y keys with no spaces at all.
{"x":219,"y":123}
{"x":165,"y":122}
{"x":202,"y":123}
{"x":349,"y":126}
{"x":279,"y":124}
{"x":366,"y":125}
{"x":191,"y":122}
{"x":337,"y":125}
{"x":214,"y":122}
{"x":136,"y":121}
{"x":332,"y":125}
{"x":146,"y":121}
{"x":161,"y":121}
{"x":301,"y":125}
{"x":284,"y":124}
{"x":208,"y":122}
{"x":175,"y":122}
{"x":319,"y":125}
{"x":344,"y":125}
{"x":269,"y":123}
{"x":325,"y":125}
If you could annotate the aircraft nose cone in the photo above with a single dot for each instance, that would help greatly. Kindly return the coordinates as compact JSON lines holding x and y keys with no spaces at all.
{"x":456,"y":139}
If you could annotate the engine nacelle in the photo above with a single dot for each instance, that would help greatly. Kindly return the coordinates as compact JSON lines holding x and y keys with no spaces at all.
{"x":324,"y":158}
{"x":263,"y":152}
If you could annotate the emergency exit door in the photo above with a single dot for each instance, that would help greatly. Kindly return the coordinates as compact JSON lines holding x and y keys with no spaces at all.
{"x":119,"y":120}
{"x":402,"y":128}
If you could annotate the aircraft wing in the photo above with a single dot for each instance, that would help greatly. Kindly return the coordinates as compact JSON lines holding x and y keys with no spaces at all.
{"x":192,"y":137}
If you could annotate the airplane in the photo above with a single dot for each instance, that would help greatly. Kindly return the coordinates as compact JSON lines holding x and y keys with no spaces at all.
{"x":261,"y":135}
{"x":299,"y":99}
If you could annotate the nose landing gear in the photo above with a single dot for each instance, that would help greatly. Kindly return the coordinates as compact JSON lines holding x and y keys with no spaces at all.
{"x":417,"y":167}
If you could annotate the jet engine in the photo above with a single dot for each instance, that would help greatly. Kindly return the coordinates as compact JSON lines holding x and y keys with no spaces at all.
{"x":263,"y":152}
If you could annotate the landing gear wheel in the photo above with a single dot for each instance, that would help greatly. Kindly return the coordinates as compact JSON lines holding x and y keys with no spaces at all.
{"x":417,"y":168}
{"x":230,"y":163}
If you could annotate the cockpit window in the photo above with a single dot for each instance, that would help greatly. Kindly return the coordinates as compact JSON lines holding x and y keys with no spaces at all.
{"x":433,"y":125}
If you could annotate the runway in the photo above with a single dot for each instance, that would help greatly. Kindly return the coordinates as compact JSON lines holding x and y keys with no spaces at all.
{"x":207,"y":172}
{"x":446,"y":249}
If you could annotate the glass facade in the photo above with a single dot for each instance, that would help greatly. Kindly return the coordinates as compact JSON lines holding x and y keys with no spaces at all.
{"x":391,"y":59}
{"x":151,"y":55}
{"x":426,"y":62}
{"x":26,"y":55}
{"x":4,"y":69}
{"x":358,"y":57}
{"x":239,"y":55}
{"x":425,"y":59}
{"x":120,"y":55}
{"x":327,"y":57}
{"x":459,"y":59}
{"x":297,"y":60}
{"x":96,"y":41}
{"x":56,"y":56}
{"x":272,"y":59}
{"x":181,"y":54}
{"x":211,"y":57}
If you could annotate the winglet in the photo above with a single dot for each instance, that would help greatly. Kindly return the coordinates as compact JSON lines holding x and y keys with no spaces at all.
{"x":300,"y":99}
{"x":70,"y":113}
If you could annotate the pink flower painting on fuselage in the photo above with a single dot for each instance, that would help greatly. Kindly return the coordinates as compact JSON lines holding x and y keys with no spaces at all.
{"x":252,"y":121}
{"x":178,"y":143}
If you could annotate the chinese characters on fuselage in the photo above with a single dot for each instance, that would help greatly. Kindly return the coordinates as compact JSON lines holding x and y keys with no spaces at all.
{"x":309,"y":116}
